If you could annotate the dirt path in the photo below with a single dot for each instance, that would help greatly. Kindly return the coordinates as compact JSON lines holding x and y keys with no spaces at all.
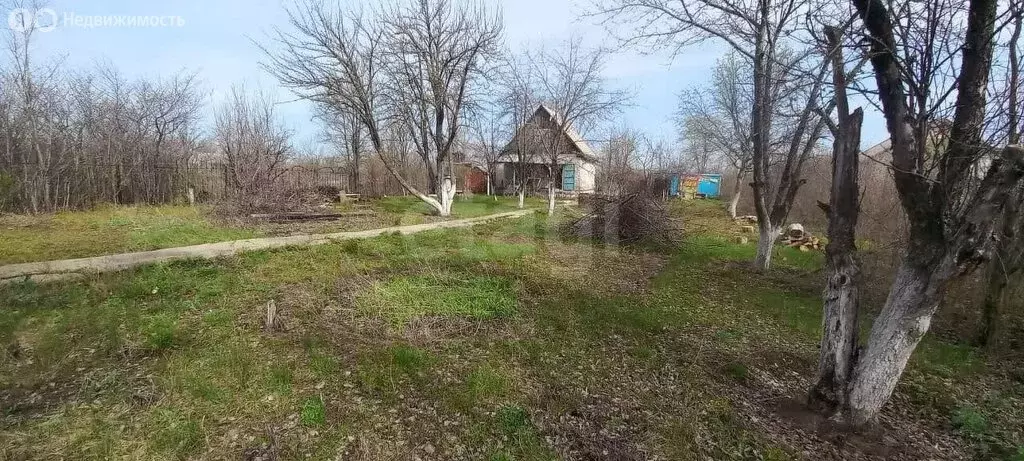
{"x":63,"y":269}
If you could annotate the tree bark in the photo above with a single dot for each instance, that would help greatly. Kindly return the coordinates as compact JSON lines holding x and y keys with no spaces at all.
{"x":946,"y":240}
{"x":1004,"y":267}
{"x":765,"y":245}
{"x":445,"y":195}
{"x":760,"y":127}
{"x":990,"y":310}
{"x":840,"y":329}
{"x":904,"y":320}
{"x":737,"y":190}
{"x":842,"y":293}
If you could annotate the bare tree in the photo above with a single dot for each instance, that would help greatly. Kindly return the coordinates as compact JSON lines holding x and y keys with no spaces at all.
{"x":74,"y":137}
{"x":719,"y":118}
{"x":519,"y":97}
{"x":926,"y":65}
{"x":410,"y":64}
{"x":572,"y":83}
{"x":842,"y":292}
{"x":345,"y":132}
{"x":254,"y":145}
{"x":620,"y":158}
{"x":782,"y":81}
{"x":489,"y":130}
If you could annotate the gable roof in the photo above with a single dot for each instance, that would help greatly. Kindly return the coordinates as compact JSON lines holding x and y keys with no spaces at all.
{"x":582,"y":149}
{"x":881,"y":149}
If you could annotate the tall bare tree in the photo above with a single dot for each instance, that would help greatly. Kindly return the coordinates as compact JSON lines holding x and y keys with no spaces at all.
{"x":254,"y":145}
{"x":410,"y":64}
{"x":1005,"y":267}
{"x":346,"y":133}
{"x":519,"y":97}
{"x":719,"y":117}
{"x":572,"y":83}
{"x":437,"y":49}
{"x":488,"y":133}
{"x":842,"y":292}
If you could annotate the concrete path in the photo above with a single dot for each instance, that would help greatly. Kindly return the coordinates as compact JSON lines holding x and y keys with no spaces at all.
{"x":64,"y":269}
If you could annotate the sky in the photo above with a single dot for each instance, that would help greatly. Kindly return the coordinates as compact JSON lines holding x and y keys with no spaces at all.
{"x":215,"y":39}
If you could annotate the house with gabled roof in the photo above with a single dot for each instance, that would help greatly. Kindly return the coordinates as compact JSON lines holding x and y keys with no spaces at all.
{"x":524,"y":161}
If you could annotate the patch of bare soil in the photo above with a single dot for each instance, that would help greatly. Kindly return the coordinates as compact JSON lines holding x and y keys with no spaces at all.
{"x":128,"y":378}
{"x":772,"y":400}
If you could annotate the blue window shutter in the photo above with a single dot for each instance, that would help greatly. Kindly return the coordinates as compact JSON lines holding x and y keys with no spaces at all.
{"x":569,"y":177}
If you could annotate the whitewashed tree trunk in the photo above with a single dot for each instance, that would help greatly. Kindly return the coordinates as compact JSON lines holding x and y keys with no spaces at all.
{"x":522,"y":197}
{"x":765,"y":244}
{"x":737,"y":192}
{"x":894,"y":336}
{"x":445,"y":196}
{"x":734,"y":202}
{"x":551,"y":197}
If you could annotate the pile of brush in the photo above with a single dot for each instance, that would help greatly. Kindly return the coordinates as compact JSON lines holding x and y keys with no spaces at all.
{"x":633,"y":218}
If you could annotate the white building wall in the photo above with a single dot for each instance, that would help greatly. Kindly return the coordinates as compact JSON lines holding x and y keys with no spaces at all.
{"x":585,"y":174}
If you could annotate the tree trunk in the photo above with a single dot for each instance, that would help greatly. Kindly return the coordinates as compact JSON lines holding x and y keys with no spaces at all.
{"x":737,"y":190}
{"x":445,"y":195}
{"x":994,"y":298}
{"x":904,"y":320}
{"x":522,"y":197}
{"x":760,"y":131}
{"x":840,"y":331}
{"x":765,"y":245}
{"x":551,"y":197}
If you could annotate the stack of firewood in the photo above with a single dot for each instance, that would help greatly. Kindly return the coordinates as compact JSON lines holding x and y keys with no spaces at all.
{"x":796,"y":237}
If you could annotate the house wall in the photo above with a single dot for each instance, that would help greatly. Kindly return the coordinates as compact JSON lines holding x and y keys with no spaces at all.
{"x":585,"y":174}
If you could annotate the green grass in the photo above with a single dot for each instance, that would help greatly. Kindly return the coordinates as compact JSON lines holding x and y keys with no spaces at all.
{"x":107,"y":230}
{"x":503,"y":328}
{"x":313,"y":412}
{"x":449,"y":295}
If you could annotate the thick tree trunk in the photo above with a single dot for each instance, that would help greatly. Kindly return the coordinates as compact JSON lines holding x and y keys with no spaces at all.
{"x":994,"y":298}
{"x":839,"y":331}
{"x":904,"y":319}
{"x":445,"y":196}
{"x":841,"y":297}
{"x":765,"y":245}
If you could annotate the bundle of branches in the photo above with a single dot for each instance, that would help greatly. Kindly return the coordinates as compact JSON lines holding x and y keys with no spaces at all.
{"x":272,"y":198}
{"x":633,"y":218}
